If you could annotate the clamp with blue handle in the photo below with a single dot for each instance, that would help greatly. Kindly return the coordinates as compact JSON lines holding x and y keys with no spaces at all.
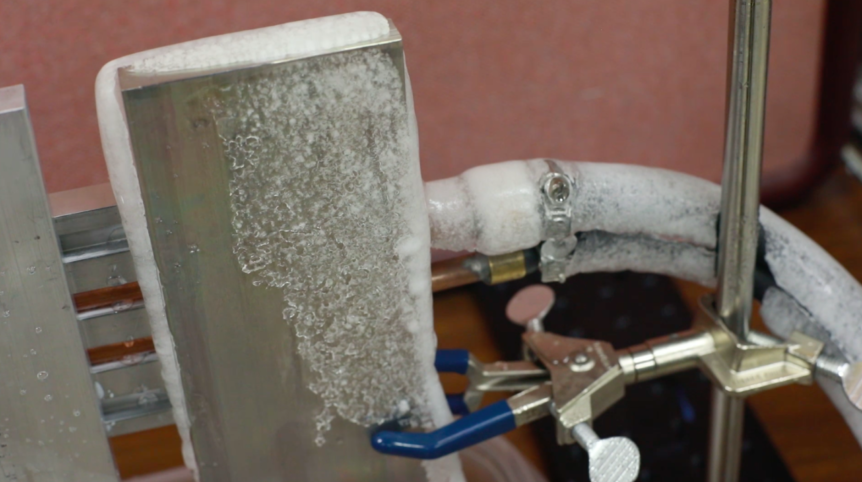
{"x":476,"y":426}
{"x":495,"y":419}
{"x":485,"y":377}
{"x":580,"y":378}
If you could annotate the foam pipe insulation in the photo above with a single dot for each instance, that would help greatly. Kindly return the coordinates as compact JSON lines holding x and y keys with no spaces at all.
{"x":656,"y":221}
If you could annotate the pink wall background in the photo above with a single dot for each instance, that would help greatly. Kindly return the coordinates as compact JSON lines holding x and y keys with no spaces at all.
{"x":611,"y":80}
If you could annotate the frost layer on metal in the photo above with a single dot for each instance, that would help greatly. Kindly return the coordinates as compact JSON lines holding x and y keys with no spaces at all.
{"x":282,"y":248}
{"x":652,"y":220}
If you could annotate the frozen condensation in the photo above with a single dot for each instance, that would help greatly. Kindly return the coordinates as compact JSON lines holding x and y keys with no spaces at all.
{"x":653,"y":220}
{"x":293,"y":39}
{"x":272,"y":43}
{"x":496,"y":209}
{"x":322,"y":200}
{"x":600,"y":251}
{"x":487,"y":209}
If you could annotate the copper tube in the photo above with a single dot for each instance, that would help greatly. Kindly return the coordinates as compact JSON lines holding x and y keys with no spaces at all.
{"x":118,"y":351}
{"x":105,"y":297}
{"x":451,"y":273}
{"x":447,"y":274}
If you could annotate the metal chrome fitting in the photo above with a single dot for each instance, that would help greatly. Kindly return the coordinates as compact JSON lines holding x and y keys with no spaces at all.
{"x":557,"y":190}
{"x":586,"y":376}
{"x":740,"y":368}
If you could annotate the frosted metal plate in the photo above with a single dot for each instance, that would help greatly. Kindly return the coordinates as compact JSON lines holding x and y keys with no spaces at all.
{"x":284,"y":207}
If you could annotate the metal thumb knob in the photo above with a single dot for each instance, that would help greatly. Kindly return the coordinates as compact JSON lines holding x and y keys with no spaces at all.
{"x":529,"y":307}
{"x":849,"y":375}
{"x":615,"y":459}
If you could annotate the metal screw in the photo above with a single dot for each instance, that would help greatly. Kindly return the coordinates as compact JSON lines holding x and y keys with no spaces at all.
{"x":558,"y":189}
{"x":581,"y":363}
{"x":847,"y":374}
{"x":615,"y":459}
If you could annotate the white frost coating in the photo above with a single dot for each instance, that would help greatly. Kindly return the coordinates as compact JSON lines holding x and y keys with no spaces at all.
{"x":851,"y":414}
{"x":265,"y":44}
{"x":451,"y":215}
{"x":486,"y":209}
{"x":295,"y":39}
{"x":351,"y":255}
{"x":658,"y":221}
{"x":784,"y":315}
{"x":599,"y":251}
{"x":628,"y":199}
{"x":446,"y":469}
{"x":124,"y":181}
{"x":817,"y":282}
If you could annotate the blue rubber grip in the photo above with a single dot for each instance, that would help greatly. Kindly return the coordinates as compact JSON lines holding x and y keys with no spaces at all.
{"x":452,"y":361}
{"x":493,"y":420}
{"x":456,"y":404}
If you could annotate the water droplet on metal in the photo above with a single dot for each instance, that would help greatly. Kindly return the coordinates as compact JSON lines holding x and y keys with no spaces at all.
{"x":121,"y":306}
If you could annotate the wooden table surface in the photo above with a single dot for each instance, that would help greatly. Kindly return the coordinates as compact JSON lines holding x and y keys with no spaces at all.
{"x":802,"y":423}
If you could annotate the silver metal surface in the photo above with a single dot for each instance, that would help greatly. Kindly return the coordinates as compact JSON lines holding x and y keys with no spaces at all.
{"x":557,"y":189}
{"x":586,"y":375}
{"x":848,"y":375}
{"x":740,"y":193}
{"x":740,"y":368}
{"x":499,"y":377}
{"x":133,"y":378}
{"x":851,"y":155}
{"x":144,"y":421}
{"x":125,"y":362}
{"x":531,"y":404}
{"x":101,"y":272}
{"x":666,"y":355}
{"x":114,"y":327}
{"x":740,"y":203}
{"x":115,"y":309}
{"x":90,"y":234}
{"x":725,"y":436}
{"x":134,"y":405}
{"x":51,"y":424}
{"x":253,"y":415}
{"x":614,"y":459}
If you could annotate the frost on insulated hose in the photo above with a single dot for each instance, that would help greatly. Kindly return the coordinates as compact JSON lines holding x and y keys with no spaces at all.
{"x":629,"y":217}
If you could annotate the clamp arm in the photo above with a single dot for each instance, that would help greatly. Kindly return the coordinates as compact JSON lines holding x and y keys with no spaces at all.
{"x":489,"y":422}
{"x":485,"y":377}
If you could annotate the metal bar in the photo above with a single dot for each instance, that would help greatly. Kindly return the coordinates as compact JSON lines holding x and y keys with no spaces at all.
{"x":52,"y":428}
{"x":740,"y":199}
{"x":738,"y":229}
{"x":725,"y":437}
{"x":231,"y":331}
{"x":452,"y":273}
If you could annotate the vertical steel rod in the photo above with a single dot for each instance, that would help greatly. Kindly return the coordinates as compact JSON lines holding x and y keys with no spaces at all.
{"x":740,"y":201}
